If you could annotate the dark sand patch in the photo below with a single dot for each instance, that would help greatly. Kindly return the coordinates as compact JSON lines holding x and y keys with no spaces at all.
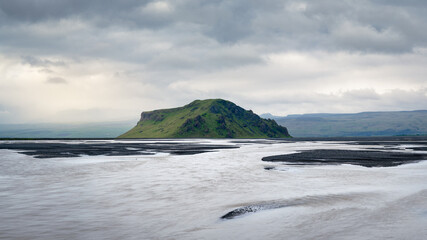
{"x":54,"y":150}
{"x":418,"y":148}
{"x":355,"y":157}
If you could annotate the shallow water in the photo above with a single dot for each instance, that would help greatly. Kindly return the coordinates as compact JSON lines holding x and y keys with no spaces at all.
{"x":167,"y":196}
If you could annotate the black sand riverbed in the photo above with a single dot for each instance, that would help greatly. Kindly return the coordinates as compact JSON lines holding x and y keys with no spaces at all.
{"x":356,"y":157}
{"x":76,"y":149}
{"x":371,"y":156}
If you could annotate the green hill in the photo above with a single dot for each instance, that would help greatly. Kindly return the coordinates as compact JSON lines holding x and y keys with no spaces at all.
{"x":212,"y":118}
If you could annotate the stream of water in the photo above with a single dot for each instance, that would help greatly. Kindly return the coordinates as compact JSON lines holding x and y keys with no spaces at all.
{"x":166,"y":196}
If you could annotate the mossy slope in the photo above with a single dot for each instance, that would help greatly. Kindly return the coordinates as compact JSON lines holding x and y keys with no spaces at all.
{"x":212,"y":118}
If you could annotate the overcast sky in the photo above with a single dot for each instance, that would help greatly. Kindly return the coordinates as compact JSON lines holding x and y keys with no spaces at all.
{"x":105,"y":60}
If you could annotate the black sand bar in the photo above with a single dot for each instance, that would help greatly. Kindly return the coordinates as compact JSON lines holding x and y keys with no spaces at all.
{"x":355,"y":157}
{"x":54,"y":150}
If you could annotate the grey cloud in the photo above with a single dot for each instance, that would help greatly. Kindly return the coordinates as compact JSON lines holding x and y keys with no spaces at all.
{"x":38,"y":62}
{"x":404,"y":100}
{"x":56,"y":80}
{"x":221,"y":48}
{"x":101,"y":13}
{"x":39,"y":10}
{"x":379,"y":26}
{"x":205,"y":60}
{"x":406,"y":3}
{"x":367,"y":38}
{"x":361,"y":95}
{"x":225,"y":21}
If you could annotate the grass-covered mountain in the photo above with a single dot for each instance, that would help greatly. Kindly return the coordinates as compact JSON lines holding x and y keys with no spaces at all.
{"x":357,"y":124}
{"x":212,"y":118}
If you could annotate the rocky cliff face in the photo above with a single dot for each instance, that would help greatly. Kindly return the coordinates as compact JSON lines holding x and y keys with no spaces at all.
{"x":154,"y":116}
{"x":212,"y":118}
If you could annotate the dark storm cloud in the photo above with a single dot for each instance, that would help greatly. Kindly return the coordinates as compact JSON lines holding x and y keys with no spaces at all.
{"x":39,"y":10}
{"x":331,"y":25}
{"x":100,"y":12}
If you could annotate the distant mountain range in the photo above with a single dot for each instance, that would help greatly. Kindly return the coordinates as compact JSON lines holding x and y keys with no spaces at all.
{"x":57,"y":130}
{"x":357,"y":124}
{"x":303,"y":125}
{"x":211,"y":118}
